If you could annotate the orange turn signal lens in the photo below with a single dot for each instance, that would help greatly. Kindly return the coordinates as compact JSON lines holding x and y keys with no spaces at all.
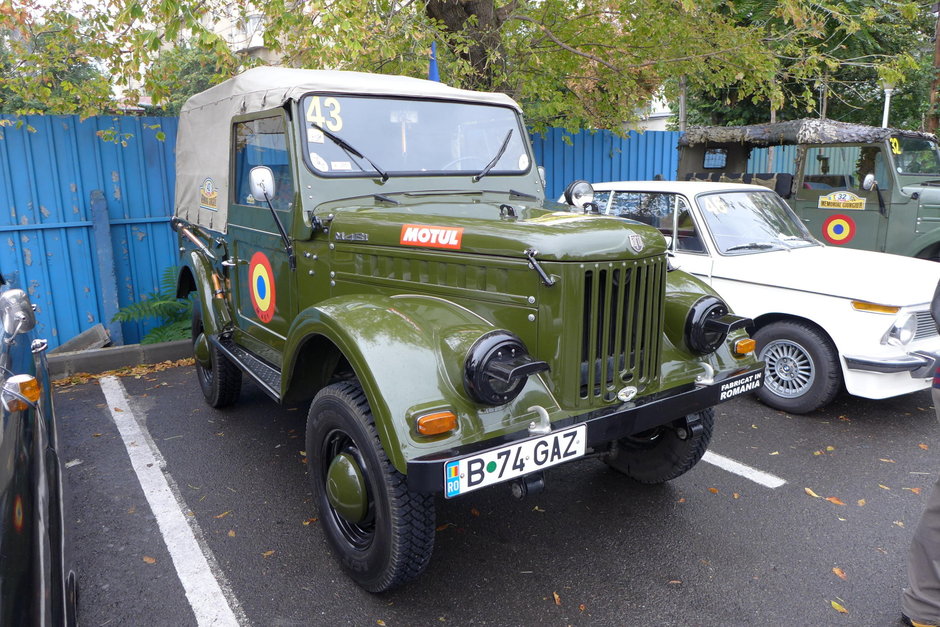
{"x":860,"y":305}
{"x":437,"y":423}
{"x":20,"y":391}
{"x":745,"y":346}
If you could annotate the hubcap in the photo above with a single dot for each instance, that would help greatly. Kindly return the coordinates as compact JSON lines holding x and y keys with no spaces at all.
{"x":346,"y":489}
{"x":790,"y":368}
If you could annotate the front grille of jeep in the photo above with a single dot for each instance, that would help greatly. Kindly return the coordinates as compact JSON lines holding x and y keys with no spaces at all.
{"x":622,"y":326}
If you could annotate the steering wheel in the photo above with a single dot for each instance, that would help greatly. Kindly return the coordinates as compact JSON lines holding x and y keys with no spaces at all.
{"x":449,"y":164}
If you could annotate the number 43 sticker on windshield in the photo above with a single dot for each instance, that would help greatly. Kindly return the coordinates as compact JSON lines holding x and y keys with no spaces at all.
{"x":331,"y":121}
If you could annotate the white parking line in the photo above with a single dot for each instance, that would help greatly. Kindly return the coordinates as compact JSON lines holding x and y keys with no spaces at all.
{"x":757,"y":476}
{"x":210,"y":604}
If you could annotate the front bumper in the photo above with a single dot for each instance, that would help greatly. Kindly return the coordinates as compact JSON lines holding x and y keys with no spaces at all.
{"x":921,"y":364}
{"x":426,"y":473}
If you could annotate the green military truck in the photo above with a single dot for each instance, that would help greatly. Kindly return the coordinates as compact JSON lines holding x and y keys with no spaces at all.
{"x":853,"y":185}
{"x":381,"y":248}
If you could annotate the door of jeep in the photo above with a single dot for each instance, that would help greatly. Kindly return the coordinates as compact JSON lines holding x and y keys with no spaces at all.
{"x":830,"y":199}
{"x":263,"y":284}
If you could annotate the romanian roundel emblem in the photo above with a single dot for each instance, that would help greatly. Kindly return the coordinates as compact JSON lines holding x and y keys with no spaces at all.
{"x":261,"y":278}
{"x":838,"y":229}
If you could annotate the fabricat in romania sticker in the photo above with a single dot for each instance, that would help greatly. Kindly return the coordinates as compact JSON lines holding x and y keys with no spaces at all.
{"x":838,"y":229}
{"x":431,"y":236}
{"x":261,"y":281}
{"x":841,"y":200}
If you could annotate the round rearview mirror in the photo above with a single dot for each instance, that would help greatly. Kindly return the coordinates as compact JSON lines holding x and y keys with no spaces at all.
{"x":16,"y":312}
{"x":579,"y":194}
{"x":869,"y":183}
{"x":261,"y":182}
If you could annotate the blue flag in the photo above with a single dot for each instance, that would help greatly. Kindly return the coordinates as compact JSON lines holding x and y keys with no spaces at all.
{"x":432,"y":65}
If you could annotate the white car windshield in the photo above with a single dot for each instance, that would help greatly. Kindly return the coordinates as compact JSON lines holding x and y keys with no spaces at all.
{"x":751,"y":221}
{"x":365,"y":136}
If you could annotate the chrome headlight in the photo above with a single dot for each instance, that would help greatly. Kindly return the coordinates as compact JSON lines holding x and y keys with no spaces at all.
{"x":579,"y":194}
{"x":902,"y":331}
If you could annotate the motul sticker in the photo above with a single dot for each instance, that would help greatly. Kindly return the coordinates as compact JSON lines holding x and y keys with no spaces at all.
{"x":431,"y":236}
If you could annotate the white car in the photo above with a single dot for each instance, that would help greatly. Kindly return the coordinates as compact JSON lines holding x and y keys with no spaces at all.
{"x":824,"y":316}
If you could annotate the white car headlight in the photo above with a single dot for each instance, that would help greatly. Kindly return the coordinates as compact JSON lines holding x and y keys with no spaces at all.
{"x":902,"y":331}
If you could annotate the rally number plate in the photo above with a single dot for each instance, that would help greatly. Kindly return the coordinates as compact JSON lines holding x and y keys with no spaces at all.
{"x":513,"y":460}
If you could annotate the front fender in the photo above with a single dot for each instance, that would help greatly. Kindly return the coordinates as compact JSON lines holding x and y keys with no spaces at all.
{"x":408,"y":354}
{"x":196,"y":272}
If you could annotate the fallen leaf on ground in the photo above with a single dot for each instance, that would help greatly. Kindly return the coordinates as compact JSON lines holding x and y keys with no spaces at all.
{"x":899,"y":523}
{"x":557,"y":598}
{"x":839,"y":573}
{"x":883,"y":487}
{"x":838,"y":607}
{"x":118,"y":409}
{"x":713,"y":490}
{"x":811,"y":493}
{"x":914,"y":490}
{"x":889,"y":461}
{"x":775,"y":453}
{"x":474,"y":511}
{"x":231,"y":533}
{"x":223,"y":514}
{"x":818,"y":453}
{"x":830,"y":448}
{"x":736,"y":495}
{"x":835,"y":500}
{"x":267,"y":554}
{"x":537,"y":509}
{"x":309,"y":520}
{"x":149,"y":560}
{"x":923,"y":446}
{"x":581,"y":607}
{"x":675,"y":581}
{"x":96,"y":435}
{"x":861,"y":502}
{"x":380,"y":622}
{"x":681,"y":500}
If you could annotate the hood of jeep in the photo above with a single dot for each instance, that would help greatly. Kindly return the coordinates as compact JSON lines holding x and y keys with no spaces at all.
{"x":488,"y":229}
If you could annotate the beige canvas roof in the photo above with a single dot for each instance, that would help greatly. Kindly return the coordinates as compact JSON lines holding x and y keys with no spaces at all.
{"x":202,"y":145}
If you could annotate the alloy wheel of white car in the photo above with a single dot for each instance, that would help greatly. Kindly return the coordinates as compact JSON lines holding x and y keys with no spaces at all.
{"x":790,"y":368}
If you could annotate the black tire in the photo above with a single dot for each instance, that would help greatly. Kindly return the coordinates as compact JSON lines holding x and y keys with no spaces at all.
{"x":663,"y":453}
{"x":220,"y":379}
{"x":392,"y":543}
{"x":803,"y":371}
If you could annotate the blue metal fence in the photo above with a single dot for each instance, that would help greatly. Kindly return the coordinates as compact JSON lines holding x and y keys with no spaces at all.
{"x":81,"y":261}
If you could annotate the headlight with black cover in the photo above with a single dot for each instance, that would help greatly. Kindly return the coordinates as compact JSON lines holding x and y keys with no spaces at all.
{"x":497,"y":367}
{"x":709,"y":323}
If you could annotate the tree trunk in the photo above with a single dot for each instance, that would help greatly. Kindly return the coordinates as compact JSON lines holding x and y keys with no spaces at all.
{"x":486,"y":52}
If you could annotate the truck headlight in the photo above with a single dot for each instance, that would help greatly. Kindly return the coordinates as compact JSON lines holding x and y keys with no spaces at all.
{"x":902,"y":331}
{"x":579,"y":194}
{"x":709,"y":323}
{"x":497,"y":367}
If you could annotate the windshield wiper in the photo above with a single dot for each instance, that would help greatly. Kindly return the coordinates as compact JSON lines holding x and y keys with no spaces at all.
{"x":752,"y":246}
{"x":489,"y":166}
{"x":352,"y":152}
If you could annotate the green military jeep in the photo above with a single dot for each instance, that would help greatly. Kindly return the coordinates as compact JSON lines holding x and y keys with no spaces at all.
{"x":382,"y":247}
{"x":853,"y":185}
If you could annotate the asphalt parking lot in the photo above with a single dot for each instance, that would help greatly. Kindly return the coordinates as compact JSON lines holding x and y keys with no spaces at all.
{"x":712,"y":547}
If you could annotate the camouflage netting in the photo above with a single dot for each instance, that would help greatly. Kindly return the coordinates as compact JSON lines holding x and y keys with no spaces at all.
{"x":806,"y":131}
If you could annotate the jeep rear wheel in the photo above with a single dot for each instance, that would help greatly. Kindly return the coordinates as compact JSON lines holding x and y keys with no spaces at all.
{"x":219,"y":378}
{"x":382,"y":532}
{"x":663,"y":453}
{"x":802,"y":372}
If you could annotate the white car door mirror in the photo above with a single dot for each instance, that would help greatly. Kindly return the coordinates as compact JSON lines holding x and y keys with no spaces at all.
{"x":261,"y":182}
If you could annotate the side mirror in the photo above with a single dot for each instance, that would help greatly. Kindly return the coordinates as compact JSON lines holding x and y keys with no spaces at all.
{"x":16,"y":312}
{"x":261,"y":182}
{"x":869,"y":183}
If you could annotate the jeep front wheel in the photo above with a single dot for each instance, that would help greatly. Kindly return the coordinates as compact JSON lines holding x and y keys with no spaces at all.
{"x":219,"y":378}
{"x":382,"y":532}
{"x":663,"y":453}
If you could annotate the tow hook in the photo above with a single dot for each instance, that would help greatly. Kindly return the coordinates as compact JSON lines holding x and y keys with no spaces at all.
{"x":691,"y":428}
{"x":527,"y":484}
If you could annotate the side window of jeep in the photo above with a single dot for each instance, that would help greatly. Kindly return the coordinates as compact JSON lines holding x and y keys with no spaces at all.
{"x":262,"y":142}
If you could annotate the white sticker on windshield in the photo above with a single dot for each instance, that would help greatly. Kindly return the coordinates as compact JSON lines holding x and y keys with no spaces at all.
{"x":340,"y":165}
{"x":318,"y":162}
{"x":523,"y":161}
{"x":314,"y":136}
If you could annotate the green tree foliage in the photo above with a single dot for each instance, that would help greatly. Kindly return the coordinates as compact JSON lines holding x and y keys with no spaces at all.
{"x":834,"y":65}
{"x":572,"y":63}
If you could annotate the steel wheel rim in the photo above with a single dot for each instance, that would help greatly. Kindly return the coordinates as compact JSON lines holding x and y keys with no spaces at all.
{"x":790,"y":371}
{"x":359,"y":535}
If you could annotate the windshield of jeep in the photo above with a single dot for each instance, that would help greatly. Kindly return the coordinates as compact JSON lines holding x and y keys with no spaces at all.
{"x":410,"y":137}
{"x":915,"y":156}
{"x":749,"y":222}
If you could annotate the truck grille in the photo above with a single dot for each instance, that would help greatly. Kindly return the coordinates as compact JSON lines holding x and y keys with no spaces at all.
{"x":622,"y":326}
